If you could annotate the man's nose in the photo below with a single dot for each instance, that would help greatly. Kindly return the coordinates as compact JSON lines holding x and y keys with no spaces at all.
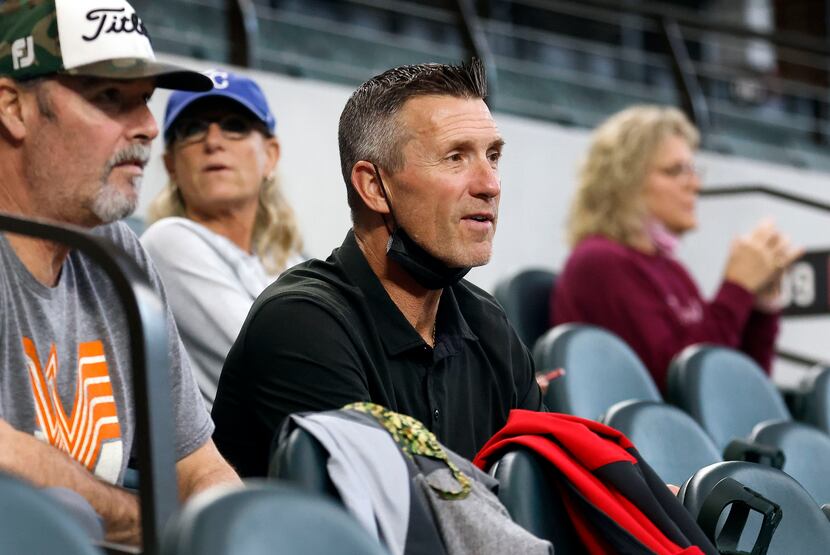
{"x":144,"y":126}
{"x":486,"y":182}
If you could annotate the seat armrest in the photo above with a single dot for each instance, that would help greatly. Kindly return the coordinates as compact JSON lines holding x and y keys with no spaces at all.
{"x":749,"y":451}
{"x":740,"y":500}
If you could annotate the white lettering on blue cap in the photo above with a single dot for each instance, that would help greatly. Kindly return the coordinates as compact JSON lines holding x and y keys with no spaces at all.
{"x":219,"y":78}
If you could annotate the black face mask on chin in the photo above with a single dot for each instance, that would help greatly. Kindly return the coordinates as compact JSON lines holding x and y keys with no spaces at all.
{"x":424,"y":268}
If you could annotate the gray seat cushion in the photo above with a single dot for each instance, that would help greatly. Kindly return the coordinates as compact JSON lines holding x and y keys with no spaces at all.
{"x":725,"y":391}
{"x":804,"y":529}
{"x":263,"y":519}
{"x":600,"y":370}
{"x":667,"y":438}
{"x":807,"y":453}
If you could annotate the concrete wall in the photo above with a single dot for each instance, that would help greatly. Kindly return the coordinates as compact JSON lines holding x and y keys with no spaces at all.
{"x":538,"y":177}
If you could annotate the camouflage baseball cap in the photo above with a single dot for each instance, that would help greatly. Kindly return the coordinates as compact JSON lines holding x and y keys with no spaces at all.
{"x":93,"y":38}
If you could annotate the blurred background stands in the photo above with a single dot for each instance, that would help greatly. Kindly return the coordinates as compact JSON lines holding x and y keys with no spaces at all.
{"x":751,"y":73}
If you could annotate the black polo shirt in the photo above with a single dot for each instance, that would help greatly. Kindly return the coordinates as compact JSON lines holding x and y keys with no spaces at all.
{"x":326,"y":333}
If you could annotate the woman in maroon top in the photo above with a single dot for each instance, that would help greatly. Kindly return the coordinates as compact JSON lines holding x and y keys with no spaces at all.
{"x":636,"y":196}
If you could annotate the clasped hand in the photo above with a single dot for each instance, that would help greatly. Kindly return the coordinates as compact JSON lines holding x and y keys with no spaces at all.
{"x":758,"y":260}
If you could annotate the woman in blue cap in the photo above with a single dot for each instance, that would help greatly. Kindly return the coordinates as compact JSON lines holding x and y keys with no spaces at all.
{"x":223,"y":230}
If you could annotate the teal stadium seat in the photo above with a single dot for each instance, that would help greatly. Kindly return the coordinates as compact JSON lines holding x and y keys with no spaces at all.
{"x":600,"y":370}
{"x":816,"y":409}
{"x":533,"y":500}
{"x":806,"y":451}
{"x":804,"y":529}
{"x":525,"y":297}
{"x":32,"y":522}
{"x":302,"y":460}
{"x":725,"y":391}
{"x":667,"y":438}
{"x":264,"y":519}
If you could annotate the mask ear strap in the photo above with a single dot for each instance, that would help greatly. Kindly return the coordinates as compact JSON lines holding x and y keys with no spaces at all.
{"x":390,"y":228}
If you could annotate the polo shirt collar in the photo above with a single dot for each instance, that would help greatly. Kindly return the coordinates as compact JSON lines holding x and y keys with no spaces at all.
{"x":398,"y":334}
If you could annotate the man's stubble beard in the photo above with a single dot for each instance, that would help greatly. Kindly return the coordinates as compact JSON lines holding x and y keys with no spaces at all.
{"x":110,"y":203}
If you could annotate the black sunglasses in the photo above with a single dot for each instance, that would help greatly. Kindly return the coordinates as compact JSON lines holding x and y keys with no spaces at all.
{"x":232,"y":126}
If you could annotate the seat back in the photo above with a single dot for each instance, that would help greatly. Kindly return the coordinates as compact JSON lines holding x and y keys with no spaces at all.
{"x":667,"y":438}
{"x":806,"y":451}
{"x":817,"y":402}
{"x":533,"y":500}
{"x":724,"y":390}
{"x":600,"y":370}
{"x":525,"y":298}
{"x":263,"y":519}
{"x":804,"y":529}
{"x":31,"y":522}
{"x":302,"y":460}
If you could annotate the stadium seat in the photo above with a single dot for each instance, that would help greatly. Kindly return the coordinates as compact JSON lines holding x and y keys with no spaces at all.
{"x":816,"y":403}
{"x":807,"y":454}
{"x":804,"y":528}
{"x":600,"y":370}
{"x":533,"y":501}
{"x":301,"y":460}
{"x":525,"y":297}
{"x":264,"y":519}
{"x":31,"y":522}
{"x":724,"y":390}
{"x":667,"y":438}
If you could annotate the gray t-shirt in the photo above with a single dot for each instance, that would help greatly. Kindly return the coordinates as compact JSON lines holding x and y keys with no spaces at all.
{"x":65,"y":361}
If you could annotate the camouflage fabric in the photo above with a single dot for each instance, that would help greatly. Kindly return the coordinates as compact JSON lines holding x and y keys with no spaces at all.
{"x":29,"y":30}
{"x":415,"y":439}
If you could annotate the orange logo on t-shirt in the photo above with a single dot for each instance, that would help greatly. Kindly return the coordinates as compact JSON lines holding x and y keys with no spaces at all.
{"x":91,"y":434}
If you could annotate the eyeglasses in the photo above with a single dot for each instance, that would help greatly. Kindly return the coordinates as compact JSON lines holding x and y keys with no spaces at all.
{"x":233,"y":127}
{"x":682,"y":169}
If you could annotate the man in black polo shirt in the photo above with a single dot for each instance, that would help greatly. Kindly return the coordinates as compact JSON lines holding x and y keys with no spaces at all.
{"x":386,"y":318}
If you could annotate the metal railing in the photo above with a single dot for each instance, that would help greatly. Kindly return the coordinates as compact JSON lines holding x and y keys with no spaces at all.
{"x":766,"y":190}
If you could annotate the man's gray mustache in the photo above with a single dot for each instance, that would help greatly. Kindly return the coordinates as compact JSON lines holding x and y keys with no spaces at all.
{"x":137,"y":152}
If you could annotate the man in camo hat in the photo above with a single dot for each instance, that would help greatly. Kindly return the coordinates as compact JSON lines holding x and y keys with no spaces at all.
{"x":75,"y":133}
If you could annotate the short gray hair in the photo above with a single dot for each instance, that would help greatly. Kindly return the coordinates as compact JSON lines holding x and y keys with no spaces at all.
{"x":368,"y":127}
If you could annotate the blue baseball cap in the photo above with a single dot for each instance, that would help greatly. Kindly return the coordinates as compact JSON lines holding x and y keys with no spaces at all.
{"x":240,"y":89}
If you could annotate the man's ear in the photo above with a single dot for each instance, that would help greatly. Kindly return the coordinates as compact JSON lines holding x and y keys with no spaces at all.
{"x":367,"y":184}
{"x":11,"y":109}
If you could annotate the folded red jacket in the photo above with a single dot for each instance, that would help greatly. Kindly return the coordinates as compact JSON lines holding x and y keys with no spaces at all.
{"x":604,"y":483}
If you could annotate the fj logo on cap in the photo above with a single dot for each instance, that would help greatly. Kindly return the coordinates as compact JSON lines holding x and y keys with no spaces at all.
{"x":23,"y":52}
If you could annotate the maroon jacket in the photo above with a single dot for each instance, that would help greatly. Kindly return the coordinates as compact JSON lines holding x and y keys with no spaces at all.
{"x":652,"y":303}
